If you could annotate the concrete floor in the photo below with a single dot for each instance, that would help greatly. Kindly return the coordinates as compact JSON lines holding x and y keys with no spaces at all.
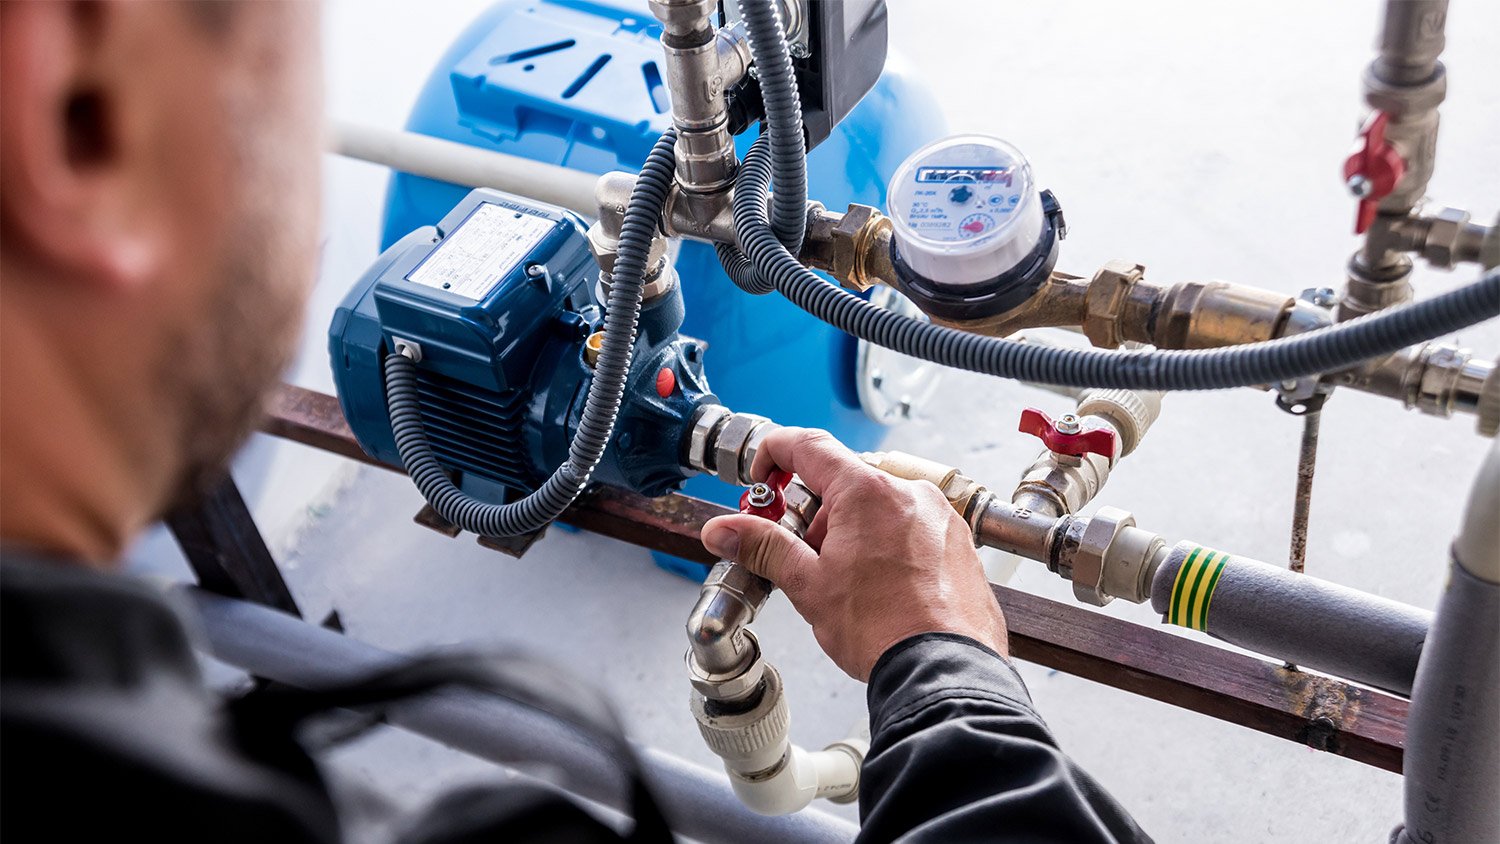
{"x":1200,"y":139}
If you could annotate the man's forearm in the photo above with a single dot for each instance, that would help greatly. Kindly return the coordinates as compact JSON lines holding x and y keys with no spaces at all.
{"x":957,"y":753}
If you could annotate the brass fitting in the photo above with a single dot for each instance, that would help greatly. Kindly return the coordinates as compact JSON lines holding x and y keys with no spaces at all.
{"x":693,"y":214}
{"x":1060,"y":484}
{"x":1208,"y":314}
{"x":611,"y":195}
{"x":1121,"y":306}
{"x":1062,"y":300}
{"x":1108,"y":294}
{"x":592,"y":347}
{"x":1116,"y":306}
{"x":854,"y":247}
{"x":1446,"y":238}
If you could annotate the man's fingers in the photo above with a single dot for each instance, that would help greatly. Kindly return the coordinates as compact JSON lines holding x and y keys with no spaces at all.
{"x":818,"y":530}
{"x":815,"y":456}
{"x":762,"y":546}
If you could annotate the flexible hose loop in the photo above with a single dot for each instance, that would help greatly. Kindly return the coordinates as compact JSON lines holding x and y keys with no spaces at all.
{"x":739,"y":270}
{"x":778,"y":91}
{"x":606,"y":392}
{"x":1270,"y":362}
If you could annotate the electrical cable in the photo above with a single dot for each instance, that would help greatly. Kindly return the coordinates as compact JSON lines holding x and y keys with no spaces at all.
{"x":739,"y":270}
{"x":783,"y":123}
{"x":622,"y":316}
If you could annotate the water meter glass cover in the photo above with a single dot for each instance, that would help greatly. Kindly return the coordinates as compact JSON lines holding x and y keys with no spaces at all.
{"x":965,"y":209}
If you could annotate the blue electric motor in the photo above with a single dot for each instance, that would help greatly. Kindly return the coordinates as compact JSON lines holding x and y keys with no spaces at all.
{"x":499,"y":300}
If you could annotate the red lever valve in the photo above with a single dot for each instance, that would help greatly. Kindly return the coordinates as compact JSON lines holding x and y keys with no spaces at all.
{"x":767,"y":499}
{"x":1373,"y":170}
{"x":1060,"y":440}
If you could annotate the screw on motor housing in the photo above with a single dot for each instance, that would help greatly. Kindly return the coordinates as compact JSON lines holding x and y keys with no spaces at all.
{"x":500,"y":298}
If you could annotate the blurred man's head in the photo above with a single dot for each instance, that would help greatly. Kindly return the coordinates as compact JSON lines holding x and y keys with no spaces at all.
{"x":159,"y":180}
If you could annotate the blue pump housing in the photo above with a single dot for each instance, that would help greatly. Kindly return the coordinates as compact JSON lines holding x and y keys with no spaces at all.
{"x":503,"y":372}
{"x":578,"y":83}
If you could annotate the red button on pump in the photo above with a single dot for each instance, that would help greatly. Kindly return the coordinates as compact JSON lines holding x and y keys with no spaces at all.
{"x":666,"y":382}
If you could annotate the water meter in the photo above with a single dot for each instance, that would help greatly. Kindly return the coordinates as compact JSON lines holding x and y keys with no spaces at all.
{"x":973,"y":235}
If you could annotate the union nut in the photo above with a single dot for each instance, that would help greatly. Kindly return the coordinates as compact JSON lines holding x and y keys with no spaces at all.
{"x":848,"y":245}
{"x":1444,"y":231}
{"x":1090,"y":558}
{"x":683,"y":16}
{"x":1105,"y":301}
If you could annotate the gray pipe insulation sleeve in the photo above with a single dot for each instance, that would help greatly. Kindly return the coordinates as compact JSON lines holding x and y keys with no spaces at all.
{"x":1452,"y":763}
{"x":1303,"y":620}
{"x":698,"y":803}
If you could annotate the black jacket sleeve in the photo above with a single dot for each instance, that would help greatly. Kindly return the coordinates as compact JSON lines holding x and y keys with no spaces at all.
{"x":958,"y":754}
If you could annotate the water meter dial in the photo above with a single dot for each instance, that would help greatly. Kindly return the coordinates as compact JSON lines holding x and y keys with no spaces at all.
{"x":973,"y":237}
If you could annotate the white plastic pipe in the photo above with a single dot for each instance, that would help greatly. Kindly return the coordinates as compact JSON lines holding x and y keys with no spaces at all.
{"x":461,"y":164}
{"x":768,"y":773}
{"x":807,"y":774}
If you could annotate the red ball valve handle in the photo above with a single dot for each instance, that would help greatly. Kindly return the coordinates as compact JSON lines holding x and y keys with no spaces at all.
{"x":767,"y":499}
{"x":1066,"y":435}
{"x":1373,"y":170}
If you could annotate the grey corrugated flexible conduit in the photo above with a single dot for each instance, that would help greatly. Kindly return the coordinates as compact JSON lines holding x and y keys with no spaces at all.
{"x":783,"y":123}
{"x":739,"y":270}
{"x":773,"y":64}
{"x":767,"y":262}
{"x":606,"y":391}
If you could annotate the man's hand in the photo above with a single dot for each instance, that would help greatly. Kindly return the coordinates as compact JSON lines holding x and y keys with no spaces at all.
{"x":884,"y":559}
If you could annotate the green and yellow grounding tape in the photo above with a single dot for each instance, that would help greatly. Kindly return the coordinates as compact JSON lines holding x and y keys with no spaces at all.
{"x":1194,"y":588}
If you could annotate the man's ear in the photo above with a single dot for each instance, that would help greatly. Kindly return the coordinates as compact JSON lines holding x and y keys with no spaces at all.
{"x":67,"y":202}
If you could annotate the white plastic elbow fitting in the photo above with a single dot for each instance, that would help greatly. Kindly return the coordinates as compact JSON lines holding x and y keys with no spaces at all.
{"x":768,"y":773}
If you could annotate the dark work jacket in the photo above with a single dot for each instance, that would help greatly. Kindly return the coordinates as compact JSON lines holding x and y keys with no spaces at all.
{"x":106,"y":728}
{"x":958,"y":754}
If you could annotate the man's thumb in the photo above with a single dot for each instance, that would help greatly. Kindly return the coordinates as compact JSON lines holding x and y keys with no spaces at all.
{"x":758,"y":544}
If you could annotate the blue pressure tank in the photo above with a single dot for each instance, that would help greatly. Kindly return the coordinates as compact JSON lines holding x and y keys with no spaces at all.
{"x":580,"y":84}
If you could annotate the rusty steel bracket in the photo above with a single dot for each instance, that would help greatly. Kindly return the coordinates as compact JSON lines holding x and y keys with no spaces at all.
{"x":226,"y":551}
